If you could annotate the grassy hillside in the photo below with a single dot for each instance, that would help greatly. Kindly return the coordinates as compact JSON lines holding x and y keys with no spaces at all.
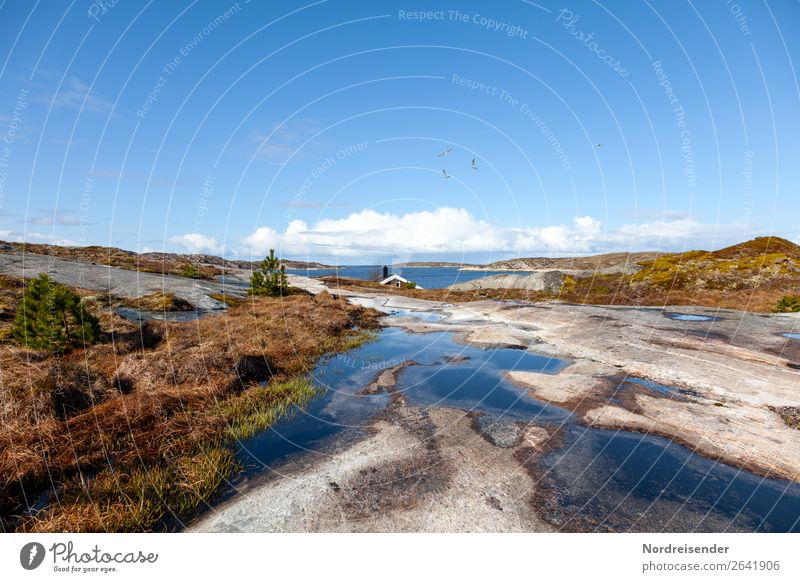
{"x":752,"y":275}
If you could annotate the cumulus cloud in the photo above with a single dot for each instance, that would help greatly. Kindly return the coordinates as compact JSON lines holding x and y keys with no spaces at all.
{"x":451,"y":232}
{"x":445,"y":230}
{"x":454,"y":231}
{"x":581,"y":236}
{"x":194,"y":242}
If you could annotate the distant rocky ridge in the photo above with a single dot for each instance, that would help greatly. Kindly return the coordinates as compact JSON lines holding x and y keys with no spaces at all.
{"x":148,"y":262}
{"x":231,"y":263}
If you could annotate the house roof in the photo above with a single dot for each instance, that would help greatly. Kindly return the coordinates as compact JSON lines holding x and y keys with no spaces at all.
{"x":391,"y":278}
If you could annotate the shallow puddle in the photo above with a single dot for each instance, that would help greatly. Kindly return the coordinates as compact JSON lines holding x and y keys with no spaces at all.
{"x":661,"y":389}
{"x":613,"y":480}
{"x":428,"y":316}
{"x":794,"y":336}
{"x":447,"y":374}
{"x":479,"y":384}
{"x":689,"y":317}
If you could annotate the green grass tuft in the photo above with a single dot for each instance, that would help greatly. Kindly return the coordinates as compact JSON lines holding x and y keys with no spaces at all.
{"x":259,"y":408}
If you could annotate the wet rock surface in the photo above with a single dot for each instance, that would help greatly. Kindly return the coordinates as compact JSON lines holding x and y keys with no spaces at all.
{"x":695,"y":385}
{"x":648,"y":393}
{"x":417,"y":471}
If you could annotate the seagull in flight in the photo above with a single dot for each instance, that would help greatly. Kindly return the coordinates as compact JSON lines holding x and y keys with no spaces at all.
{"x":445,"y":174}
{"x":443,"y":153}
{"x":474,"y":165}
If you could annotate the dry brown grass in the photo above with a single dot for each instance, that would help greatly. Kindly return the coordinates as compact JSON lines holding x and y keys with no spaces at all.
{"x":756,"y":294}
{"x":142,"y":434}
{"x":10,"y":296}
{"x":605,"y":292}
{"x":446,"y":295}
{"x":756,"y":300}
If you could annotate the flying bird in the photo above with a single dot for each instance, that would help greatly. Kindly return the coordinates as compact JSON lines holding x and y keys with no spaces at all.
{"x":443,"y":153}
{"x":445,"y":174}
{"x":474,"y":165}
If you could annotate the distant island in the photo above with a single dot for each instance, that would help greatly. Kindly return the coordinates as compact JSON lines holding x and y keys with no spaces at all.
{"x":608,"y":262}
{"x":435,"y":265}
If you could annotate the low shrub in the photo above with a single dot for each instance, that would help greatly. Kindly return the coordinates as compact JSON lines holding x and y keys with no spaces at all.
{"x":787,"y":304}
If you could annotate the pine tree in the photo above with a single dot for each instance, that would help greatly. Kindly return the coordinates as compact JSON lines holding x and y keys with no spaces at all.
{"x":270,"y":279}
{"x":53,"y":318}
{"x":190,"y":270}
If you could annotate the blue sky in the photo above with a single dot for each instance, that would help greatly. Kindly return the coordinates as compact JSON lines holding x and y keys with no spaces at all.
{"x":315,"y":127}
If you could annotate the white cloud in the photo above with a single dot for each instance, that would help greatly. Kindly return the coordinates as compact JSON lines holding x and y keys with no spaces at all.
{"x":285,"y":139}
{"x":194,"y":242}
{"x":364,"y":233}
{"x":584,"y":233}
{"x":681,"y":233}
{"x":454,"y":231}
{"x":56,"y":218}
{"x":36,"y":237}
{"x":77,"y":95}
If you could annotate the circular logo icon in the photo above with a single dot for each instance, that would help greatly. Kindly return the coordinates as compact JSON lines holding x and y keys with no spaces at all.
{"x":31,"y":555}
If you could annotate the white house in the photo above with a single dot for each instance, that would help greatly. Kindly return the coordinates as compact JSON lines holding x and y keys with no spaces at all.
{"x":397,"y":281}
